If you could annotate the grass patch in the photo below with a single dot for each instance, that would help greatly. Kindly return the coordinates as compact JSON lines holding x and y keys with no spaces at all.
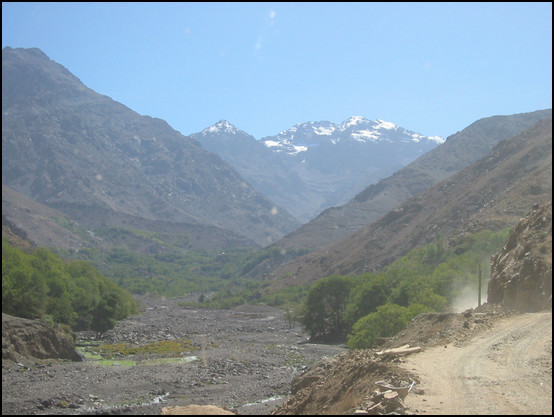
{"x":165,"y":348}
{"x":113,"y":362}
{"x":88,"y":354}
{"x":162,"y":352}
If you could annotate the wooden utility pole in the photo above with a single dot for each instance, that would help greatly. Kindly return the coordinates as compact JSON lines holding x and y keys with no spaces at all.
{"x":479,"y":291}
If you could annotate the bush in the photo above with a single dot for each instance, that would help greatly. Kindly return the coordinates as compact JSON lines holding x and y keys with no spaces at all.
{"x":388,"y":320}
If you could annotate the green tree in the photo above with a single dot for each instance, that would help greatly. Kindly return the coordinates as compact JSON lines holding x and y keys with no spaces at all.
{"x":429,"y":299}
{"x":293,"y":313}
{"x":24,"y":292}
{"x":103,"y":315}
{"x":325,"y":307}
{"x":367,"y":297}
{"x":50,"y":267}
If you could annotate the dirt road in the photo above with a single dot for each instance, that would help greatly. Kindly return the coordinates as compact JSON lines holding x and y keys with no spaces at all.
{"x":505,"y":370}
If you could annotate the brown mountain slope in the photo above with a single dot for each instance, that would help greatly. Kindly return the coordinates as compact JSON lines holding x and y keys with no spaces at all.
{"x":68,"y":147}
{"x":492,"y":193}
{"x":41,"y":225}
{"x":36,"y":223}
{"x":460,"y":150}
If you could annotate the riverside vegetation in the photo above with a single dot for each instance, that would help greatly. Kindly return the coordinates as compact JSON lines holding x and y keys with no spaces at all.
{"x":353,"y":309}
{"x":42,"y":285}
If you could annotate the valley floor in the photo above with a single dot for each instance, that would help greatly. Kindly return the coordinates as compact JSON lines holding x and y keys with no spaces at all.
{"x":245,"y":359}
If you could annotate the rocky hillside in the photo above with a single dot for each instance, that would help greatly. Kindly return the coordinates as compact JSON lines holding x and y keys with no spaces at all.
{"x":267,"y":171}
{"x":492,"y":193}
{"x":79,"y":152}
{"x":24,"y":340}
{"x":521,"y":274}
{"x":377,"y":199}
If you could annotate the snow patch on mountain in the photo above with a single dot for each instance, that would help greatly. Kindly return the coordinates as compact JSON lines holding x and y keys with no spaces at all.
{"x":381,"y":124}
{"x":326,"y":131}
{"x":298,"y":149}
{"x":416,"y":137}
{"x":272,"y":143}
{"x":437,"y":139}
{"x":366,"y":135}
{"x":285,"y":146}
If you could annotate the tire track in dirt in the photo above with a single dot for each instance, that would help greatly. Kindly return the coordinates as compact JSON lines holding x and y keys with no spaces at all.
{"x":506,"y":370}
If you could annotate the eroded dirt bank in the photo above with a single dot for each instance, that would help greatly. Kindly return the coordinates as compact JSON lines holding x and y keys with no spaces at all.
{"x":243,"y":359}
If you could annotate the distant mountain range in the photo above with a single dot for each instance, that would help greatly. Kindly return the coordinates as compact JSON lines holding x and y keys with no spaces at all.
{"x":316,"y":165}
{"x":80,"y":170}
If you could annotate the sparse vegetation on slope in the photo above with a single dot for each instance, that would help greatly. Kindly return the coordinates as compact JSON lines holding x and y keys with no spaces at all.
{"x":178,"y":272}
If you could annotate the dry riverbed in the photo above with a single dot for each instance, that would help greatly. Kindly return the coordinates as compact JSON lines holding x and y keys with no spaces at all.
{"x":242,"y":359}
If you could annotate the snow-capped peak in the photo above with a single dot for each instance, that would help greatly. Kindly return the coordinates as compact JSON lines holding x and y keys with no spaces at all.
{"x":353,"y":121}
{"x":223,"y":126}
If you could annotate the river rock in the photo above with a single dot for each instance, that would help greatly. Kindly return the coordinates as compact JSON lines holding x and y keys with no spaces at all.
{"x":195,"y":410}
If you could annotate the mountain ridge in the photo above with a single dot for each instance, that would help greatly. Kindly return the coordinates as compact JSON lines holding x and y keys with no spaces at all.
{"x":355,"y":128}
{"x":314,"y":165}
{"x":75,"y":230}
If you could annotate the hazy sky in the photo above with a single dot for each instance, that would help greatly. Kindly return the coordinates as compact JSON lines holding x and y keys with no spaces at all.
{"x":433,"y":68}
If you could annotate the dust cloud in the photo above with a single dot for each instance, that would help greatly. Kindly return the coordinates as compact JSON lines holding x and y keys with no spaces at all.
{"x":468,"y":298}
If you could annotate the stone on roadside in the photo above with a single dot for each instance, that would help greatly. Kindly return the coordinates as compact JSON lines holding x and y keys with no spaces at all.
{"x":376,"y":409}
